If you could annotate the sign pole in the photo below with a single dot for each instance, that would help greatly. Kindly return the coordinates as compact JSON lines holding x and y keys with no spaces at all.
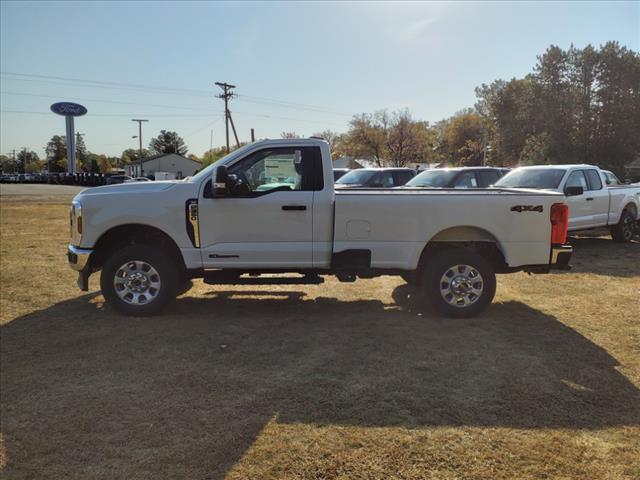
{"x":69,"y":110}
{"x":71,"y":147}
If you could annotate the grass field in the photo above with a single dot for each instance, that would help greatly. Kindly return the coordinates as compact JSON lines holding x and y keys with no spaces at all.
{"x":332,"y":381}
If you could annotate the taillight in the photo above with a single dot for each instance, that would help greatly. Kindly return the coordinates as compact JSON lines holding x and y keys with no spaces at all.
{"x":559,"y":222}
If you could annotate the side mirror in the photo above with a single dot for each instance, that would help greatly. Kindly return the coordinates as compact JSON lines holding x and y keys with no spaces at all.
{"x":573,"y":191}
{"x":218,"y":186}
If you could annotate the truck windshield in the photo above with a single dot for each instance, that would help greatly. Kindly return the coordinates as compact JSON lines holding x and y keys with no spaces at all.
{"x":357,"y":177}
{"x":207,"y":170}
{"x":432,"y":178}
{"x":538,"y":178}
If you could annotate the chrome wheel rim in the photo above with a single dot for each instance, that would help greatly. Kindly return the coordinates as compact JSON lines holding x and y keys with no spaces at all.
{"x":137,"y":283}
{"x":461,"y":286}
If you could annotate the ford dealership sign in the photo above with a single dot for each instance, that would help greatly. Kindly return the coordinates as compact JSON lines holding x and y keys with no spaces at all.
{"x":68,"y":109}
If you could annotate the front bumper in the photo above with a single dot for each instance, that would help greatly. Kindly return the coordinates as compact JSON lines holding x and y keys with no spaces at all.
{"x":80,"y":260}
{"x":560,"y":257}
{"x":78,"y":257}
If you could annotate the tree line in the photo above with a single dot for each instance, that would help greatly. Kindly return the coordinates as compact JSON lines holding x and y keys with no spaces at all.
{"x":28,"y":161}
{"x":576,"y":106}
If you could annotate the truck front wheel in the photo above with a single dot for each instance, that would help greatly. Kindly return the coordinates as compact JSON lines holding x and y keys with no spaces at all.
{"x":459,"y":283}
{"x":139,"y":280}
{"x":623,"y":231}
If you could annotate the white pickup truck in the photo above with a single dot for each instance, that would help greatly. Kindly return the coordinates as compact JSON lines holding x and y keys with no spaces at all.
{"x":270,"y":208}
{"x":592,"y":202}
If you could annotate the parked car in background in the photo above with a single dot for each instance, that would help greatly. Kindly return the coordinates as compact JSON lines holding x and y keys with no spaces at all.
{"x":463,"y":177}
{"x":116,"y":179}
{"x":376,"y":178}
{"x":338,"y":173}
{"x":138,"y":179}
{"x":592,"y":203}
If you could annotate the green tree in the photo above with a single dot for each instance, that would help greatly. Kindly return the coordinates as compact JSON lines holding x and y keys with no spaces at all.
{"x":577,"y":106}
{"x":334,"y":139}
{"x":465,"y":136}
{"x":7,"y":164}
{"x":132,"y":155}
{"x":25,"y":158}
{"x":82,"y":153}
{"x":168,"y":142}
{"x":56,"y":150}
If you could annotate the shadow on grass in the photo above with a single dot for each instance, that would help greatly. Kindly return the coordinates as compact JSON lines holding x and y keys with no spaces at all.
{"x":603,"y":256}
{"x":187,"y":393}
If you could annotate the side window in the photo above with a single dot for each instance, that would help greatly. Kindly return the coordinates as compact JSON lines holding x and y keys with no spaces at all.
{"x":403,"y":177}
{"x":594,"y":180}
{"x":277,"y":169}
{"x":611,"y":179}
{"x":577,"y":179}
{"x":488,"y":177}
{"x":466,"y":180}
{"x":384,"y":179}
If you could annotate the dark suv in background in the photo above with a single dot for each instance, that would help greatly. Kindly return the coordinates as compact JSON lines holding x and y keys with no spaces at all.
{"x":376,"y":178}
{"x":463,"y":177}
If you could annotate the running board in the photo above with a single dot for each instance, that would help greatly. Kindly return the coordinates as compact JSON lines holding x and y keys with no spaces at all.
{"x":226,"y":279}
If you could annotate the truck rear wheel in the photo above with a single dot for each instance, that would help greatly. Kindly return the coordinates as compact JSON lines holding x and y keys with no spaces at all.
{"x":623,"y":231}
{"x":139,"y":280}
{"x":459,"y":283}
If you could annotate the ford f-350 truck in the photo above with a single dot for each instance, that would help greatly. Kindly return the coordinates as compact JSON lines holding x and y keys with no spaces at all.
{"x":270,"y":208}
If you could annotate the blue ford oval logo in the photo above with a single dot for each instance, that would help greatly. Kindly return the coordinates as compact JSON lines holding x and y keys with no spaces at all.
{"x":68,"y":109}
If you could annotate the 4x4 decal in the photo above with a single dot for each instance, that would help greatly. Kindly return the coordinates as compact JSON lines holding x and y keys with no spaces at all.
{"x":527,"y":208}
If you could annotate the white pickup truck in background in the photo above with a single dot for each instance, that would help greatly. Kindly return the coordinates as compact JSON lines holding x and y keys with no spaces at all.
{"x":592,"y":202}
{"x":270,"y":207}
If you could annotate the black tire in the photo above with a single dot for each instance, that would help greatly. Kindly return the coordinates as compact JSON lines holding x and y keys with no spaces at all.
{"x":411,"y":278}
{"x":163,"y":264}
{"x":624,"y":230}
{"x":444,"y":263}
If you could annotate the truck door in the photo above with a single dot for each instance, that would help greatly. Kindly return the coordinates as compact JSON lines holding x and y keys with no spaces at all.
{"x":579,"y":207}
{"x":266,"y":220}
{"x":597,"y":197}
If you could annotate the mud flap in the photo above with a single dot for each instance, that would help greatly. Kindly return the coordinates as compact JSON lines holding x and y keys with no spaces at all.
{"x":83,"y":279}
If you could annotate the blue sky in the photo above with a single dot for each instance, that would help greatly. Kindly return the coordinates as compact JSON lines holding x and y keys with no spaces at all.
{"x":321,"y":62}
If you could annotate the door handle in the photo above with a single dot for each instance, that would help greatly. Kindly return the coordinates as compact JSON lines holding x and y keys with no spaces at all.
{"x":589,"y":199}
{"x":294,"y":207}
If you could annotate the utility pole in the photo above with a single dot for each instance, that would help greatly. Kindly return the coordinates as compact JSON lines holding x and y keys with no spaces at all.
{"x":226,"y":95}
{"x":24,"y":160}
{"x":253,"y":135}
{"x":140,"y":139}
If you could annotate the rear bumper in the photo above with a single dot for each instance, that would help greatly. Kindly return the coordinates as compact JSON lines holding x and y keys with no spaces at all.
{"x":560,"y":257}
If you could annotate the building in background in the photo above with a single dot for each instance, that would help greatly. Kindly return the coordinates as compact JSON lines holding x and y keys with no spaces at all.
{"x":171,"y":163}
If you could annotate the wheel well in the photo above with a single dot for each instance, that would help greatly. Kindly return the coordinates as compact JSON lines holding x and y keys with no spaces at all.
{"x":487,"y":249}
{"x":133,"y":234}
{"x":631,"y":208}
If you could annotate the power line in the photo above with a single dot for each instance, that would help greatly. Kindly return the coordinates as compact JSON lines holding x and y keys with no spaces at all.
{"x":157,"y":89}
{"x":110,"y":101}
{"x":168,"y":115}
